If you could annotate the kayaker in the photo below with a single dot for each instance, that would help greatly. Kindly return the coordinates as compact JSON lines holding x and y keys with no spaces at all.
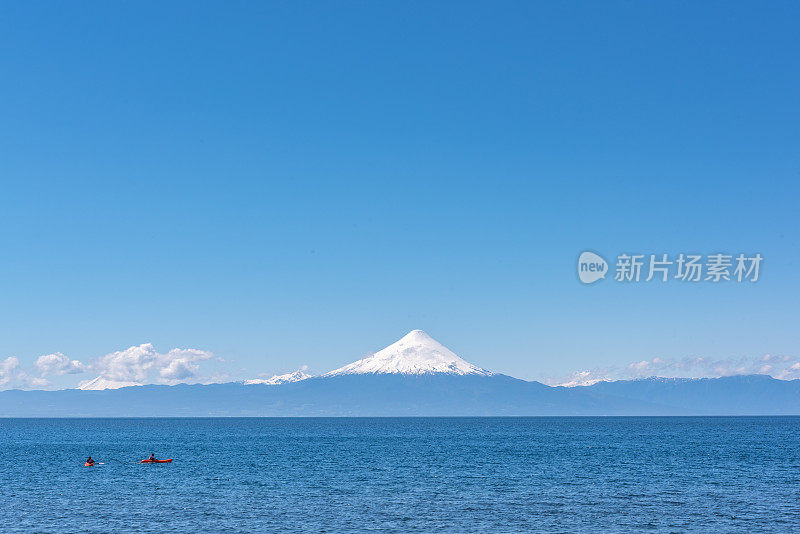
{"x":152,"y":457}
{"x":90,"y":460}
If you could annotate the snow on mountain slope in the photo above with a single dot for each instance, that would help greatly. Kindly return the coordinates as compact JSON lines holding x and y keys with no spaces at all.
{"x":296,"y":376}
{"x":104,"y":383}
{"x":416,"y":353}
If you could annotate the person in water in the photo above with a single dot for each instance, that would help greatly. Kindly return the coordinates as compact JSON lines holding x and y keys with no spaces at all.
{"x":90,"y":460}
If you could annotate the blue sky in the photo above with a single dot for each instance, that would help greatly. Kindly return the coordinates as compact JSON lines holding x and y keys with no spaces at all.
{"x":299,"y":183}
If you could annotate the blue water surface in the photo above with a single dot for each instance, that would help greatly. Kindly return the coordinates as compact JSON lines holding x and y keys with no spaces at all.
{"x":402,"y":475}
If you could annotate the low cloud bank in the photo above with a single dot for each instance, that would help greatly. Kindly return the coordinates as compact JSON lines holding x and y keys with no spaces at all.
{"x":141,"y":364}
{"x":12,"y":376}
{"x":782,"y":367}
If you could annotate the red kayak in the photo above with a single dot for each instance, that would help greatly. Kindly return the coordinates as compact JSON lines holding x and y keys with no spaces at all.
{"x":88,"y":464}
{"x":156,"y":461}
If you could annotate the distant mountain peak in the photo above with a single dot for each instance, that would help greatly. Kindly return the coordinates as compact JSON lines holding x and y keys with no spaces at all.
{"x":296,"y":376}
{"x":416,"y":353}
{"x":101,"y":383}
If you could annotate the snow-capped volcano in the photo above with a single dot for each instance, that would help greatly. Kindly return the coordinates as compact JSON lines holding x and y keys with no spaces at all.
{"x":416,"y":353}
{"x":100,"y":383}
{"x":296,"y":376}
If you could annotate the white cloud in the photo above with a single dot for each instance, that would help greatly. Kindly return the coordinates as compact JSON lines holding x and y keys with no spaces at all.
{"x":12,"y":375}
{"x":143,"y":364}
{"x":179,"y":368}
{"x":8,"y":370}
{"x":784,"y":367}
{"x":58,"y":364}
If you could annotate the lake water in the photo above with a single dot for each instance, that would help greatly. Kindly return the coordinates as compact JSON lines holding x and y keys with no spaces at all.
{"x":402,"y":475}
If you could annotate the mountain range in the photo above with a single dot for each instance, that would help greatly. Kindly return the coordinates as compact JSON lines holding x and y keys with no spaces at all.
{"x":415,"y":376}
